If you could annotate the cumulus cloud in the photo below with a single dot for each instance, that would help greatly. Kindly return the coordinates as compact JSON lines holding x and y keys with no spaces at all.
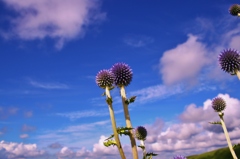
{"x":12,"y":150}
{"x":194,"y":128}
{"x":190,"y":134}
{"x":58,"y":19}
{"x":183,"y":62}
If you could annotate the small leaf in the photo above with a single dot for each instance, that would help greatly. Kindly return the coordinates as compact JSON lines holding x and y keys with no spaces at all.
{"x":111,"y":88}
{"x":110,"y":143}
{"x":109,"y":101}
{"x":234,"y":146}
{"x":127,"y":101}
{"x":151,"y":154}
{"x":110,"y":137}
{"x":132,"y":99}
{"x":123,"y":130}
{"x":141,"y":146}
{"x":216,"y":122}
{"x":103,"y":94}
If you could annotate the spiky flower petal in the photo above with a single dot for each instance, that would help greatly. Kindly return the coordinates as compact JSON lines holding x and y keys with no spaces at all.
{"x":229,"y":60}
{"x":234,"y":10}
{"x":122,"y":74}
{"x":179,"y":157}
{"x":140,"y":133}
{"x":218,"y":104}
{"x":104,"y":78}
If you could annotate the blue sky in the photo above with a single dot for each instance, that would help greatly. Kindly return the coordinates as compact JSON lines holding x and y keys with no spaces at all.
{"x":51,"y":51}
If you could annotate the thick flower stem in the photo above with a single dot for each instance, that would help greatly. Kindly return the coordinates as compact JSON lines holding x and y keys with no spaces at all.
{"x":144,"y":149}
{"x":128,"y":122}
{"x":227,"y":136}
{"x":120,"y":149}
{"x":238,"y":74}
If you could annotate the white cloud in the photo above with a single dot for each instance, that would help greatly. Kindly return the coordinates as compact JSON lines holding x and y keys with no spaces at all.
{"x":83,"y":114}
{"x":24,"y":136}
{"x":27,"y":128}
{"x":138,"y":40}
{"x":12,"y":150}
{"x":58,"y":19}
{"x":43,"y":85}
{"x":183,"y":62}
{"x":194,"y":129}
{"x":157,"y":92}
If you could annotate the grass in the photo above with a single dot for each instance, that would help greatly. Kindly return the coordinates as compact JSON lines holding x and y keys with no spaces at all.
{"x":222,"y":153}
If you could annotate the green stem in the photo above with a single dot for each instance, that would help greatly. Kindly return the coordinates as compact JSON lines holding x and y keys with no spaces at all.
{"x":238,"y":74}
{"x":227,"y":136}
{"x":144,"y":149}
{"x":128,"y":122}
{"x":114,"y":127}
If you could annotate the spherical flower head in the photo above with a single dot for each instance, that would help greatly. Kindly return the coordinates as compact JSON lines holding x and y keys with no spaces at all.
{"x":218,"y":104}
{"x":234,"y":9}
{"x":229,"y":60}
{"x":122,"y":74}
{"x":104,"y":78}
{"x":179,"y":157}
{"x":140,"y":133}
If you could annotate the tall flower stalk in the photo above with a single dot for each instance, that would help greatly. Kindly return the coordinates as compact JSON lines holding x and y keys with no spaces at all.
{"x":104,"y":79}
{"x":122,"y":78}
{"x":218,"y":104}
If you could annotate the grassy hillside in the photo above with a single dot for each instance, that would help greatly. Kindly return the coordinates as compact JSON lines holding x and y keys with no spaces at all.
{"x":223,"y":153}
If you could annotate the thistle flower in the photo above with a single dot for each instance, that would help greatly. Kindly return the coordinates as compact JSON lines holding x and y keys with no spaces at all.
{"x":104,"y":78}
{"x":229,"y":60}
{"x":122,"y":74}
{"x":235,"y":10}
{"x":218,"y":104}
{"x":140,"y":133}
{"x":179,"y":157}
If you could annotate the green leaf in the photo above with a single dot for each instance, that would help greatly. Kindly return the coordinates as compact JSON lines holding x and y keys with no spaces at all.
{"x":103,"y":94}
{"x":111,"y":88}
{"x":216,"y":122}
{"x":141,"y":146}
{"x":151,"y":154}
{"x":110,"y":143}
{"x":109,"y":101}
{"x":123,"y":130}
{"x":234,"y":146}
{"x":132,"y":99}
{"x":110,"y":137}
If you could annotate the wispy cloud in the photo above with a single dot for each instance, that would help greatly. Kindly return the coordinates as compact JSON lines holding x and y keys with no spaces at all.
{"x":43,"y":85}
{"x":183,"y":62}
{"x":84,"y":114}
{"x":37,"y":19}
{"x":157,"y":92}
{"x":138,"y":40}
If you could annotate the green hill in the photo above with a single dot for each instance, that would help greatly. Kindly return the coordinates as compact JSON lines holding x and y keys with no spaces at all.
{"x":223,"y":153}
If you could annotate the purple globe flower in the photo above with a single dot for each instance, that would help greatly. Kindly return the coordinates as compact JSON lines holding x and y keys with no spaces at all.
{"x":234,"y":10}
{"x":218,"y":104}
{"x":140,"y":133}
{"x":179,"y":157}
{"x":122,"y":74}
{"x":104,"y":78}
{"x":229,"y":60}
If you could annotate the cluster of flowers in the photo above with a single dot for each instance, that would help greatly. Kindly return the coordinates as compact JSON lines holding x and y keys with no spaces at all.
{"x":120,"y":75}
